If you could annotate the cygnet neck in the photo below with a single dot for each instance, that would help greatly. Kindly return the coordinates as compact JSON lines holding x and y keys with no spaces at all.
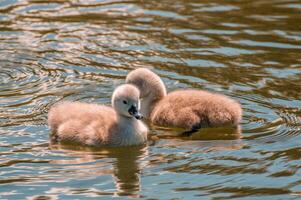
{"x":148,"y":103}
{"x":124,"y":122}
{"x":152,"y":88}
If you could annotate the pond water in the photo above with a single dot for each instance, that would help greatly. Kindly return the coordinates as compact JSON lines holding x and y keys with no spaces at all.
{"x":81,"y":50}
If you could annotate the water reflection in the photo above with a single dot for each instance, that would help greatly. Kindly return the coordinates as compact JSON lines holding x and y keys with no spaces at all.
{"x":219,"y":133}
{"x":127,"y":164}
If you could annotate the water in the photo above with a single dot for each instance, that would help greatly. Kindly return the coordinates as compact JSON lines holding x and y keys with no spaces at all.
{"x":81,"y":50}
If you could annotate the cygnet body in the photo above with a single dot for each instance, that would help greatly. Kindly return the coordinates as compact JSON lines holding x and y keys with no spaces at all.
{"x":99,"y":125}
{"x":189,"y":109}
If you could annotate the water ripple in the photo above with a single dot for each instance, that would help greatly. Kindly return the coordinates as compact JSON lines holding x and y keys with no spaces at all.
{"x":81,"y":50}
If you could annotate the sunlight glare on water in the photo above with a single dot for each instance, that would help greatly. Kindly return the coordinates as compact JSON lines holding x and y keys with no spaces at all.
{"x":81,"y":50}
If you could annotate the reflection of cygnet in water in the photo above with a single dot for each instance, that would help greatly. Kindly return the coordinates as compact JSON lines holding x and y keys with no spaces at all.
{"x":123,"y":164}
{"x":127,"y":171}
{"x":207,"y":139}
{"x":218,"y":133}
{"x":188,"y":109}
{"x":205,"y":134}
{"x":98,"y":125}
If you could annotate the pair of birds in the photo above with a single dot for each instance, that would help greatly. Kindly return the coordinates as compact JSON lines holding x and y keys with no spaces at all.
{"x":99,"y":125}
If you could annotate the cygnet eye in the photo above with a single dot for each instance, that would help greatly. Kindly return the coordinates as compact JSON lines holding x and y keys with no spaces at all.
{"x":124,"y":101}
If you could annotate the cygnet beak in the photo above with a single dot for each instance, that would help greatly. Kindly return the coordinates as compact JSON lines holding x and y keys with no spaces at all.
{"x":134,"y":112}
{"x":138,"y":116}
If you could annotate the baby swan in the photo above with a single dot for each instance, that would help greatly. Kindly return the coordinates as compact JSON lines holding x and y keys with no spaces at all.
{"x":188,"y":109}
{"x":99,"y":125}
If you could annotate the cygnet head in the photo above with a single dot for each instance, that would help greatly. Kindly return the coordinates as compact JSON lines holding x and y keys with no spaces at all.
{"x":150,"y":85}
{"x":125,"y":101}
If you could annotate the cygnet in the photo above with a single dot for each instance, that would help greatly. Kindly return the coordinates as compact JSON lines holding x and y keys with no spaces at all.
{"x":99,"y":125}
{"x":190,"y":109}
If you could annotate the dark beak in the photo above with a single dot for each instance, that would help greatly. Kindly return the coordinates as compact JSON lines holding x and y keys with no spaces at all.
{"x":134,"y":112}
